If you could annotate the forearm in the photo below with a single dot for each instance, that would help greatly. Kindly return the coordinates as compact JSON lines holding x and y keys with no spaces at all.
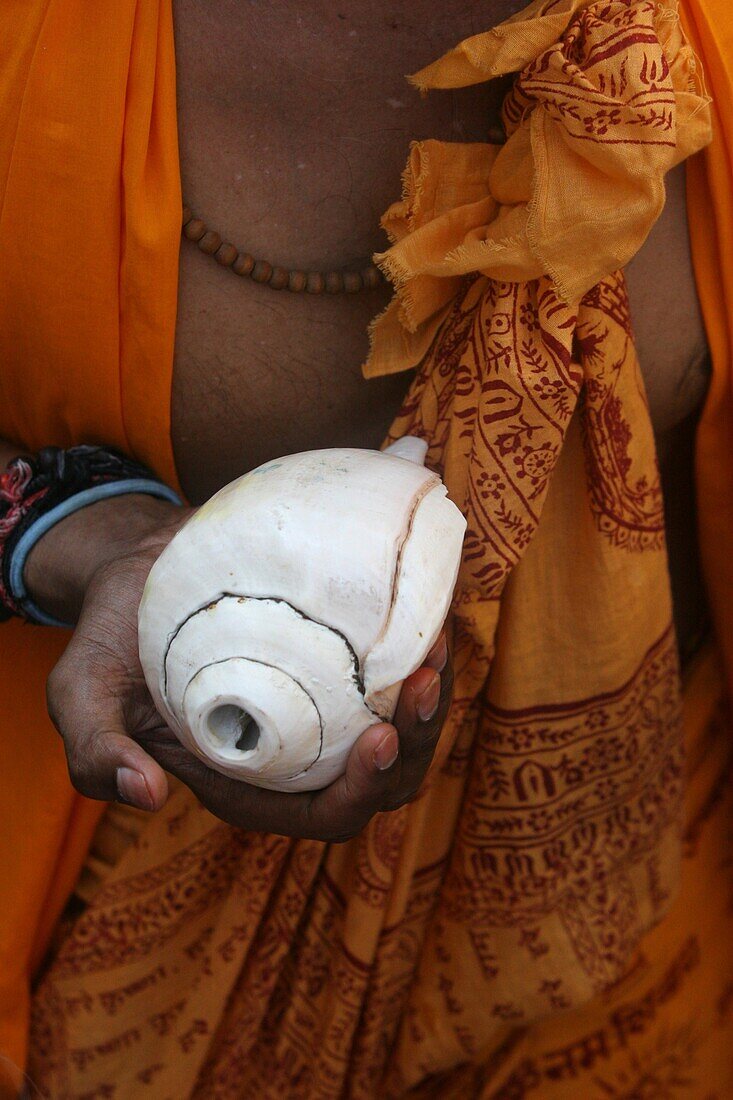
{"x":61,"y":564}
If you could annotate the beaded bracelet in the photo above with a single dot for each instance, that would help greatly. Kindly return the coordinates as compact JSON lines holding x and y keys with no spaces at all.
{"x":36,"y":492}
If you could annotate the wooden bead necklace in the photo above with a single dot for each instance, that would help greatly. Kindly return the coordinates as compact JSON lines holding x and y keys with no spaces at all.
{"x":278,"y":278}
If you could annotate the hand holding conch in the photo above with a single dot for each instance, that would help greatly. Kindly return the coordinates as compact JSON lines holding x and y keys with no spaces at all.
{"x":282,"y":620}
{"x":117,"y":745}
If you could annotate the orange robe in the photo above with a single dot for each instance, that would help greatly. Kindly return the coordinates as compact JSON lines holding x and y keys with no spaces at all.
{"x":442,"y":950}
{"x":89,"y":237}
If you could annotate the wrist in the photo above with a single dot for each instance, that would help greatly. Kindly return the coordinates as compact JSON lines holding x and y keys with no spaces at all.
{"x":61,"y":565}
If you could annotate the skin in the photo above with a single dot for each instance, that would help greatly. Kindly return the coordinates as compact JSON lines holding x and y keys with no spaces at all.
{"x":270,"y":157}
{"x":92,"y":571}
{"x":119,"y":744}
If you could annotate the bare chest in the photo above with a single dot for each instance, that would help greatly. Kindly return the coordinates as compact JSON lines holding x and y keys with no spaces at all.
{"x":294,"y":128}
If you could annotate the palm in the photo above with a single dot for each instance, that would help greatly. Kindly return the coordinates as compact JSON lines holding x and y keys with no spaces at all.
{"x":100,"y":702}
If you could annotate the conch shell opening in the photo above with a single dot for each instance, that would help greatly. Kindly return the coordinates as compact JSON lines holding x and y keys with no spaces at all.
{"x":280,"y":621}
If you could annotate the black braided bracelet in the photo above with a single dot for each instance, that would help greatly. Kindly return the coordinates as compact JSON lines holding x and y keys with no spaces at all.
{"x":37,"y":491}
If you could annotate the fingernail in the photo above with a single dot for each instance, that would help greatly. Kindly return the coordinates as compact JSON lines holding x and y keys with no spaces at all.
{"x":386,"y":751}
{"x":132,"y":788}
{"x":438,"y":656}
{"x":427,"y":703}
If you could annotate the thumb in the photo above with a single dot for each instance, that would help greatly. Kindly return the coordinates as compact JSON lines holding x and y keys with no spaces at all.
{"x":104,"y":762}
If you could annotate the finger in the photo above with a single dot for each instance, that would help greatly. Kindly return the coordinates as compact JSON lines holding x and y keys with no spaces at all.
{"x":371,"y":781}
{"x":437,"y":658}
{"x":418,"y":701}
{"x":104,"y":762}
{"x":238,"y":803}
{"x":421,"y":712}
{"x":333,"y":814}
{"x":231,"y":800}
{"x":343,"y":809}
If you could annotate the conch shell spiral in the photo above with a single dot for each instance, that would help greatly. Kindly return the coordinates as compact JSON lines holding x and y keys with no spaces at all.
{"x":280,"y":621}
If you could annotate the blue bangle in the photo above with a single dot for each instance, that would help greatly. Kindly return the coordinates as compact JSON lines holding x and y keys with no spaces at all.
{"x":44,"y":523}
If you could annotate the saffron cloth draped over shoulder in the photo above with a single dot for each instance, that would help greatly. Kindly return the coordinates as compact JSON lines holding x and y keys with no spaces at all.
{"x":434,"y":954}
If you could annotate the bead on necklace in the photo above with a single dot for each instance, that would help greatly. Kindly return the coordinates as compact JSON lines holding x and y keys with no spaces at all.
{"x":277,"y":278}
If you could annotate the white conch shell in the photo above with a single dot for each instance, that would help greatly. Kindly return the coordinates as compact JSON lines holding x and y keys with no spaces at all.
{"x":281,"y":620}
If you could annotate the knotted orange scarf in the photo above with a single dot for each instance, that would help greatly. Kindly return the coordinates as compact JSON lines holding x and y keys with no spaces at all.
{"x":214,"y":963}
